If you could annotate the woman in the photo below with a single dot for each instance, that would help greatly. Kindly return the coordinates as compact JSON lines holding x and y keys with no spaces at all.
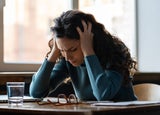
{"x":98,"y":63}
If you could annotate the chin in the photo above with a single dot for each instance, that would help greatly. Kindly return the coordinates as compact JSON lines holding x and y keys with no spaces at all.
{"x":76,"y":64}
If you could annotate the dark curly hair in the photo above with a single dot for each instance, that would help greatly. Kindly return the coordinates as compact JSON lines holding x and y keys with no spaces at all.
{"x":110,"y":50}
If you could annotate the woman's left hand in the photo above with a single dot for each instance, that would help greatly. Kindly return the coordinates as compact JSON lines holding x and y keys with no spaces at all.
{"x":86,"y":38}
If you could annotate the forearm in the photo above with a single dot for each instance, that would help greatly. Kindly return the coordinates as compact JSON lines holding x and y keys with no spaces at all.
{"x":105,"y":84}
{"x":40,"y":81}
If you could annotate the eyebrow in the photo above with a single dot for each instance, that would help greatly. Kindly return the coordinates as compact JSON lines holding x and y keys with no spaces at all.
{"x":73,"y":47}
{"x":69,"y":48}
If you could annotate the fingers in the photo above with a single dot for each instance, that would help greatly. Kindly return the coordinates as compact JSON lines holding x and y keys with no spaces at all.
{"x":89,"y":27}
{"x":86,"y":26}
{"x":79,"y":31}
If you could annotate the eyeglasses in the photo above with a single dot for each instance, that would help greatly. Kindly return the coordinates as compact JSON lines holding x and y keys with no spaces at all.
{"x":62,"y":99}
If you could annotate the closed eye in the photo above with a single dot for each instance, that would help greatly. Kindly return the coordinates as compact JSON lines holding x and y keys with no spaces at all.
{"x":73,"y":50}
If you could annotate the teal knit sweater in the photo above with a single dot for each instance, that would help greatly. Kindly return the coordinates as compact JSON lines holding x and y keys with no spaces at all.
{"x":89,"y":80}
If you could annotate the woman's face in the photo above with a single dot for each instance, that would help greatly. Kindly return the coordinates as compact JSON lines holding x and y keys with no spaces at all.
{"x":71,"y":50}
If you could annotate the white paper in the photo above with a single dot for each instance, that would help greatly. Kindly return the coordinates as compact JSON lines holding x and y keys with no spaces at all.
{"x":4,"y":98}
{"x":126,"y":103}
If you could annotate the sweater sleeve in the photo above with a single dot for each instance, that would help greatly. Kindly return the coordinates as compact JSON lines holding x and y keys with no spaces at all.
{"x":48,"y":76}
{"x":105,"y":83}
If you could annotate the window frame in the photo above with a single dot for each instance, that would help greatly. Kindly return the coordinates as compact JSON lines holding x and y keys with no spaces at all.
{"x":18,"y":67}
{"x":23,"y":67}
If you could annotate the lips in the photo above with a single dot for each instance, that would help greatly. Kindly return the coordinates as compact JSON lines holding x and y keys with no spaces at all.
{"x":72,"y":61}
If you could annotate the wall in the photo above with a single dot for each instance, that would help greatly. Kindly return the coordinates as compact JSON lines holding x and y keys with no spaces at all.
{"x":148,"y":35}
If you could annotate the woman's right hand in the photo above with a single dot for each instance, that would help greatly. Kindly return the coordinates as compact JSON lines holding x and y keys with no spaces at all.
{"x":55,"y":52}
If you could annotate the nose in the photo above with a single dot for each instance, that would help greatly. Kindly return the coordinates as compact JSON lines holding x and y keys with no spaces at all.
{"x":67,"y":56}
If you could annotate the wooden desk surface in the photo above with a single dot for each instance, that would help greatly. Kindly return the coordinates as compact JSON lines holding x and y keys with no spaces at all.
{"x":32,"y":108}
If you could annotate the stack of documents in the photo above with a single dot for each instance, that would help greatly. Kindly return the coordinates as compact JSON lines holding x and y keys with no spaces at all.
{"x":126,"y":103}
{"x":4,"y":98}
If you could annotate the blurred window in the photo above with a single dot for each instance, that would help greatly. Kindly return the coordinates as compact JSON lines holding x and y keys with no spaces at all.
{"x":26,"y":25}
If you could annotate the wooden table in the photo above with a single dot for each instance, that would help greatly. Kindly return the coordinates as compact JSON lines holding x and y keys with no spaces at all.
{"x":32,"y":108}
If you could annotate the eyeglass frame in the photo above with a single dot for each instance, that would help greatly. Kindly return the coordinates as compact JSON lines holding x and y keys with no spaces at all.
{"x":58,"y":103}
